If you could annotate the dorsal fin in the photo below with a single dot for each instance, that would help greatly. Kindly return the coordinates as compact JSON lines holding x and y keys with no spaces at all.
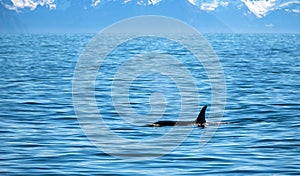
{"x":201,"y":117}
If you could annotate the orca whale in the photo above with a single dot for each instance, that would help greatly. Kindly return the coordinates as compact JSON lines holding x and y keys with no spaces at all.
{"x":200,"y":121}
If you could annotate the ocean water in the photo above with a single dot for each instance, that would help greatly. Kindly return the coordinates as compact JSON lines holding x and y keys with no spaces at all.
{"x":40,"y":133}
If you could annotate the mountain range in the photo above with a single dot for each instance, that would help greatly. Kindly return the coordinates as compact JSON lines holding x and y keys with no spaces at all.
{"x":89,"y":16}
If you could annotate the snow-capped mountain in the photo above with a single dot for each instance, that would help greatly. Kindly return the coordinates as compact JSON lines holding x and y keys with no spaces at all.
{"x":205,"y":15}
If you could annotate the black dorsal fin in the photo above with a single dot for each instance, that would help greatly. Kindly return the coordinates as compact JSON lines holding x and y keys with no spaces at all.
{"x":201,"y":116}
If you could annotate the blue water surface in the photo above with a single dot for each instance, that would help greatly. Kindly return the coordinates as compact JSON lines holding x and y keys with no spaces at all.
{"x":40,"y":134}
